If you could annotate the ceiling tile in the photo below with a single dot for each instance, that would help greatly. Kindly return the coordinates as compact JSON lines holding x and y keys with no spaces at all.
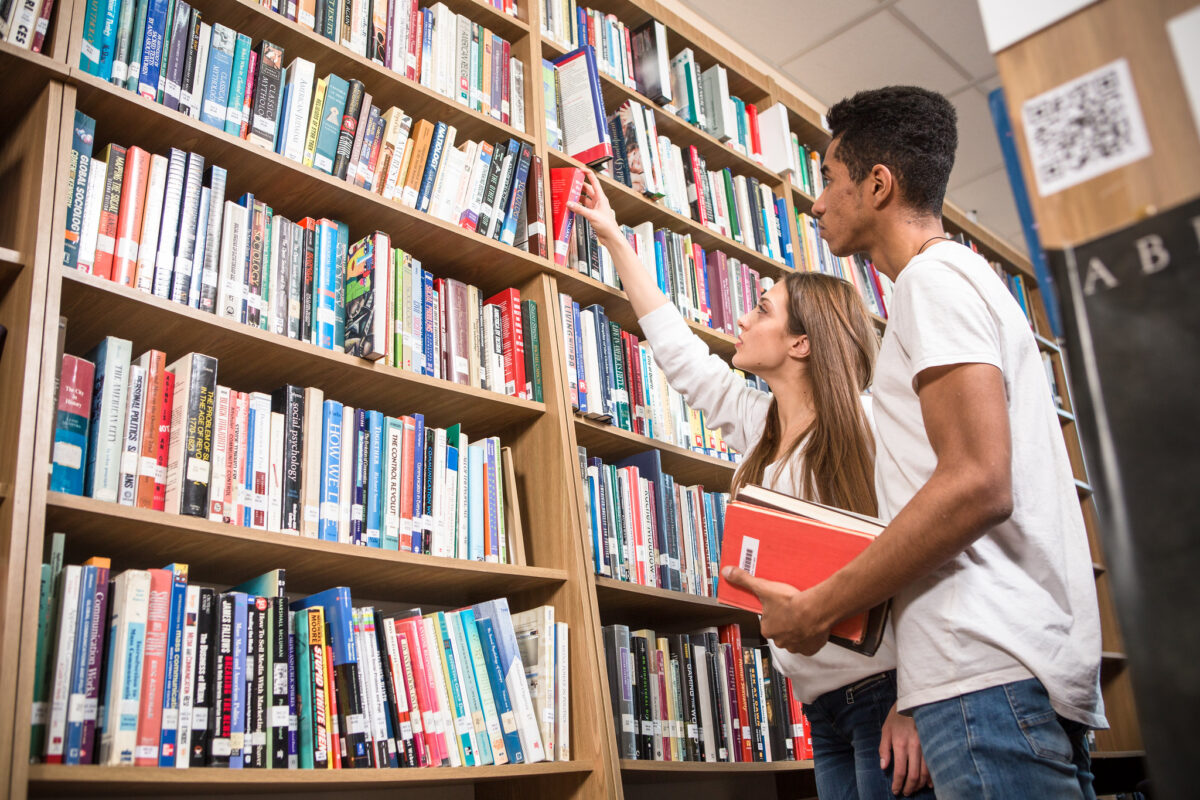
{"x":991,"y":83}
{"x":991,"y":200}
{"x":956,"y":28}
{"x":877,"y":52}
{"x":978,"y":147}
{"x":794,"y":29}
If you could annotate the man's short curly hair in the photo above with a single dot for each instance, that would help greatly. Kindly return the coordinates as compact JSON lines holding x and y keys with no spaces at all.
{"x":910,"y":130}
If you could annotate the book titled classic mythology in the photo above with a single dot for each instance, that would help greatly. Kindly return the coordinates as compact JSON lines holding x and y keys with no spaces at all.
{"x":780,"y":538}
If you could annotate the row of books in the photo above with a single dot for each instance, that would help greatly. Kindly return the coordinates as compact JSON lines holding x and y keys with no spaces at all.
{"x":740,"y":208}
{"x":647,"y":529}
{"x":701,"y":697}
{"x":613,"y":378}
{"x":161,"y":223}
{"x":146,"y":434}
{"x":447,"y":52}
{"x":815,"y":256}
{"x":24,"y":23}
{"x":331,"y":125}
{"x":146,"y":668}
{"x":639,"y":59}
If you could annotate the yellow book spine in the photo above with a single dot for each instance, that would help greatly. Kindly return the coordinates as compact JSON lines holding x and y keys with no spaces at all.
{"x":314,"y":121}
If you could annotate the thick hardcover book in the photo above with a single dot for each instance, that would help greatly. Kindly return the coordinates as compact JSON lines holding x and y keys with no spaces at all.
{"x":621,"y":680}
{"x":109,"y":399}
{"x":513,"y":670}
{"x":289,"y":401}
{"x":79,"y":170}
{"x":516,"y":196}
{"x":336,"y":603}
{"x":566,"y":186}
{"x":149,"y":717}
{"x":154,"y":41}
{"x":264,"y":108}
{"x":651,"y":61}
{"x":110,"y":207}
{"x":181,"y":260}
{"x":190,"y":447}
{"x":176,"y":45}
{"x":582,"y":107}
{"x":123,"y":673}
{"x":72,"y":425}
{"x":764,"y":532}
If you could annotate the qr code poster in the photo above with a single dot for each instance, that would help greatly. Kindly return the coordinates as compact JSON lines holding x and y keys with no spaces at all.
{"x":1085,"y":128}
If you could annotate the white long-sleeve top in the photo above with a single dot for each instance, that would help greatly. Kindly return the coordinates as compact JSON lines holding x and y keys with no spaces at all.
{"x":740,"y":412}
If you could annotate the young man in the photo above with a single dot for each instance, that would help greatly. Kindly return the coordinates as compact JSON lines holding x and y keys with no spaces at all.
{"x":985,"y":554}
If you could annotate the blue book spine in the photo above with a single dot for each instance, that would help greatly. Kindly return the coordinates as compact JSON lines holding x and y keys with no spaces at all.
{"x":516,"y":197}
{"x":427,"y":38}
{"x":586,"y":393}
{"x":169,"y":733}
{"x":237,"y":85}
{"x":374,"y":477}
{"x":237,"y":727}
{"x":339,"y":297}
{"x":419,"y":544}
{"x":491,"y":455}
{"x":436,"y":145}
{"x":247,"y":476}
{"x":152,"y":48}
{"x":467,"y":634}
{"x":70,"y":436}
{"x":78,"y":680}
{"x":785,"y":237}
{"x":331,"y":469}
{"x":108,"y":38}
{"x":475,"y":503}
{"x":495,"y":676}
{"x":220,"y":73}
{"x":331,"y":123}
{"x":430,"y":317}
{"x":358,"y":503}
{"x":462,"y":714}
{"x":327,"y":255}
{"x":93,"y":36}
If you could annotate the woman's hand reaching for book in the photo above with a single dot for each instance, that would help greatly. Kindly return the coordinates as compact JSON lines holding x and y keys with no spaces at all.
{"x":593,"y":206}
{"x":789,"y":617}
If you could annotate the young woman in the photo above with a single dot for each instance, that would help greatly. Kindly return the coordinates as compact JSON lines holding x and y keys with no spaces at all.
{"x":810,"y":339}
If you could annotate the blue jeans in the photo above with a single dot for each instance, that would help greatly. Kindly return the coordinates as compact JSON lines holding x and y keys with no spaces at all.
{"x":1004,"y":742}
{"x":845,"y":734}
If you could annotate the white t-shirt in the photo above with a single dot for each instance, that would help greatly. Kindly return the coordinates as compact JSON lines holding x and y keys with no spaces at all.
{"x":740,"y":412}
{"x":1019,"y":602}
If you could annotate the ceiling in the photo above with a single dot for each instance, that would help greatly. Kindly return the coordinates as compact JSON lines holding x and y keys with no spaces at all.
{"x":833,"y":48}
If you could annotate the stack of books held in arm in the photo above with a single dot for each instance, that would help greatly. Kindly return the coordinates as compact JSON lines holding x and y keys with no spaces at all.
{"x":776,"y":537}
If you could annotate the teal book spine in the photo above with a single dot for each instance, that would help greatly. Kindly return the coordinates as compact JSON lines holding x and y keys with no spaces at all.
{"x":237,"y":85}
{"x":331,"y":123}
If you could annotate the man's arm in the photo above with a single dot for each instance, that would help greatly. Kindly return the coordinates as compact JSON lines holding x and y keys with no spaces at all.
{"x":970,"y":491}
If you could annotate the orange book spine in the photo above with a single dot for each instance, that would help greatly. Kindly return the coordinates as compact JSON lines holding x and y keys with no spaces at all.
{"x":110,"y":207}
{"x":421,"y":137}
{"x":129,"y":218}
{"x":732,"y":636}
{"x":408,"y":449}
{"x":154,"y":664}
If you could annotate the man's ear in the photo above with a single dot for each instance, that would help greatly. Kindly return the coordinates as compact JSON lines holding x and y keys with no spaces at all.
{"x":801,"y":347}
{"x":880,"y":186}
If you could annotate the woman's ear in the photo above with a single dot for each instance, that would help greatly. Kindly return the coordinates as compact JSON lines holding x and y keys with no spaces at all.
{"x":800,"y":347}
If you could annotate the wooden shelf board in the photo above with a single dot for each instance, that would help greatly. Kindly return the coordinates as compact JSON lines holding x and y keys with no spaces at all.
{"x":1083,"y":488}
{"x":1113,"y":657}
{"x":250,"y":359}
{"x":386,"y":87}
{"x":682,"y":133}
{"x":34,"y":70}
{"x":226,"y":555}
{"x":51,"y":779}
{"x":1046,"y":344}
{"x":993,"y":247}
{"x":687,"y":769}
{"x":10,"y":261}
{"x":610,"y":443}
{"x":295,"y":191}
{"x":638,"y":606}
{"x":1064,"y":416}
{"x":803,"y":200}
{"x":634,"y":208}
{"x":1098,"y":568}
{"x":1117,"y":754}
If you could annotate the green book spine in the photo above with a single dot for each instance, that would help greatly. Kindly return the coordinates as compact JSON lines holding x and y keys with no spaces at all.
{"x":237,"y":86}
{"x":533,"y":346}
{"x":304,"y":699}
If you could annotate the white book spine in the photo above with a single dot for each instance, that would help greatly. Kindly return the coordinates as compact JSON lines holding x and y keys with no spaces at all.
{"x":229,"y":297}
{"x":217,"y":500}
{"x":562,"y":692}
{"x":127,"y":629}
{"x":108,"y":428}
{"x":301,"y":76}
{"x":310,"y":474}
{"x":156,"y":185}
{"x":516,"y":72}
{"x":275,"y":476}
{"x":91,"y":216}
{"x":135,"y":410}
{"x":187,"y":676}
{"x":201,"y":70}
{"x":260,"y":451}
{"x":462,"y":517}
{"x":193,"y":288}
{"x":438,"y":538}
{"x":64,"y":658}
{"x":392,"y":454}
{"x":446,"y":709}
{"x":346,"y":475}
{"x":164,"y":259}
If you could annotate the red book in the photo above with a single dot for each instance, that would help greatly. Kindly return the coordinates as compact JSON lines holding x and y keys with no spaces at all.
{"x":110,"y":208}
{"x":408,"y":449}
{"x":752,"y":124}
{"x":412,"y":68}
{"x":43,"y":24}
{"x":129,"y":218}
{"x":566,"y":186}
{"x":155,"y":364}
{"x":154,"y":666}
{"x":163,"y":445}
{"x":535,"y":198}
{"x":732,"y":636}
{"x":403,"y":689}
{"x":408,"y":634}
{"x":515,"y":379}
{"x":695,"y":188}
{"x":780,"y":538}
{"x":506,"y":78}
{"x":247,"y":102}
{"x":335,"y":735}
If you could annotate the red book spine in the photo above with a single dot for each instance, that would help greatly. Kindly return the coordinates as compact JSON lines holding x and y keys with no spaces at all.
{"x":566,"y":185}
{"x":162,"y":446}
{"x":535,"y":196}
{"x":42,"y":25}
{"x":408,"y":446}
{"x":412,"y":69}
{"x":506,"y":98}
{"x":154,"y":664}
{"x":129,"y":218}
{"x":509,"y":302}
{"x":696,"y":189}
{"x":426,"y":699}
{"x":752,"y":123}
{"x":629,"y":81}
{"x":797,"y":714}
{"x":335,"y":737}
{"x":156,"y":366}
{"x":248,"y":101}
{"x":732,"y":636}
{"x":633,"y":382}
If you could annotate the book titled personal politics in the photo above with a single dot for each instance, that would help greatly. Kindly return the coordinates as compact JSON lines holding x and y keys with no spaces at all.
{"x":780,"y":538}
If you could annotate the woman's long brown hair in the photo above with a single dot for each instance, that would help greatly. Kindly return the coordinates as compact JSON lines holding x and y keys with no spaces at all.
{"x":838,"y":447}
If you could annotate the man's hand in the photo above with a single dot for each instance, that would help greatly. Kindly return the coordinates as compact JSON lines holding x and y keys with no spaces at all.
{"x":789,"y":617}
{"x":899,"y":736}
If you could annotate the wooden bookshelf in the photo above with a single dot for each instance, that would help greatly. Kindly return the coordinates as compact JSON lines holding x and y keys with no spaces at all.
{"x":36,"y":112}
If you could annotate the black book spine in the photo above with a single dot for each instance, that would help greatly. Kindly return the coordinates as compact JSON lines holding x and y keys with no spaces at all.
{"x":756,"y":211}
{"x":168,"y":84}
{"x":254,"y":274}
{"x":188,"y":79}
{"x":280,"y":710}
{"x":354,"y":100}
{"x":198,"y":436}
{"x":264,"y":110}
{"x":306,"y":288}
{"x":503,"y":191}
{"x":645,"y":713}
{"x":295,"y":280}
{"x":705,"y":190}
{"x":489,"y":191}
{"x":691,"y":699}
{"x":673,"y":533}
{"x":427,"y":496}
{"x":406,"y":754}
{"x":221,"y":712}
{"x":716,"y":678}
{"x":289,"y":401}
{"x":348,"y":685}
{"x":328,"y":28}
{"x":751,"y":679}
{"x":256,"y":675}
{"x":202,"y":694}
